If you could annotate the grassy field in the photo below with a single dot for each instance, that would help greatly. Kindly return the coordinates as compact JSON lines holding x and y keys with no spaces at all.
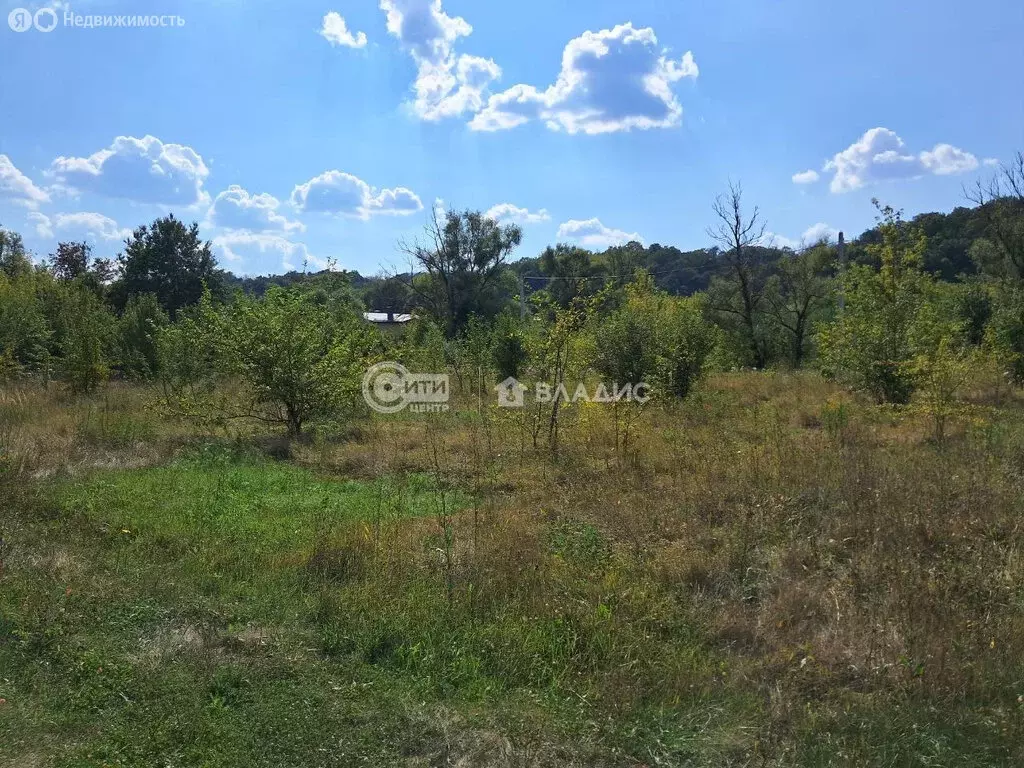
{"x":772,"y":573}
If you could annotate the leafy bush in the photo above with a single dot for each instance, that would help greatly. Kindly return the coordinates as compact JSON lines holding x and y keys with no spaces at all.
{"x":654,"y":338}
{"x":509,"y":347}
{"x":87,"y":345}
{"x":1005,"y":332}
{"x":138,"y":328}
{"x":299,"y":361}
{"x":871,"y":344}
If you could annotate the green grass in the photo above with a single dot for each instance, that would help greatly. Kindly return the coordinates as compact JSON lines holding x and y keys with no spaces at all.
{"x":168,"y":616}
{"x":227,"y":610}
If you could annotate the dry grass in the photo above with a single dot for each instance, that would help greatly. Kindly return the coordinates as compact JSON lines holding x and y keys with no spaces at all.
{"x":774,"y":539}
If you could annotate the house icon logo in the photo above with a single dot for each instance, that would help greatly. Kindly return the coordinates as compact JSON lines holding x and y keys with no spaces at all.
{"x":510,"y":393}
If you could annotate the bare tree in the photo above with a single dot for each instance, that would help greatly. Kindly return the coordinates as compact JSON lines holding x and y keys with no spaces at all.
{"x":741,"y":293}
{"x":1001,"y":201}
{"x":463,"y":258}
{"x":797,"y":291}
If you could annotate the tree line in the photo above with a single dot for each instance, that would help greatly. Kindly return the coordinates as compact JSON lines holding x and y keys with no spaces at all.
{"x":922,"y":303}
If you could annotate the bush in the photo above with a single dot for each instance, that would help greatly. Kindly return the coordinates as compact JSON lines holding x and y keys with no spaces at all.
{"x":871,"y":344}
{"x":1005,"y":332}
{"x":138,"y":329}
{"x":299,"y":361}
{"x":509,"y":347}
{"x":88,"y":342}
{"x":654,"y":338}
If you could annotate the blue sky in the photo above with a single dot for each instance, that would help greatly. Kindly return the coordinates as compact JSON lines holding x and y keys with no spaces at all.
{"x":328,"y":130}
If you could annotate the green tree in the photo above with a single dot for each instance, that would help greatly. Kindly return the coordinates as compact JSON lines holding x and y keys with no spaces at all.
{"x":872,"y":342}
{"x":654,"y":338}
{"x":299,"y":362}
{"x":87,"y":344}
{"x":24,"y":333}
{"x":14,"y":261}
{"x":1001,"y":203}
{"x":463,"y":261}
{"x":571,"y":272}
{"x":138,"y":329}
{"x":389,"y":294}
{"x":1004,"y":335}
{"x":797,"y":293}
{"x":170,"y":261}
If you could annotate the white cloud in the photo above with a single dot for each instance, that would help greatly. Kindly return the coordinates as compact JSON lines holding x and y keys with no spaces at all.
{"x":145,"y":170}
{"x":239,"y":247}
{"x":506,"y":213}
{"x":811,"y":236}
{"x":806,"y":177}
{"x":945,"y":159}
{"x":613,"y":80}
{"x":447,"y":85}
{"x":879,"y":155}
{"x":593,"y":234}
{"x":235,"y":208}
{"x":991,"y":162}
{"x":775,"y":240}
{"x":43,"y":225}
{"x":15,"y":185}
{"x":95,"y":224}
{"x":343,"y":193}
{"x":818,"y":232}
{"x":336,"y":32}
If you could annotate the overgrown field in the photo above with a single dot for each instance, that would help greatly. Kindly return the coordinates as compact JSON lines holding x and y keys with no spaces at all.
{"x":772,"y":572}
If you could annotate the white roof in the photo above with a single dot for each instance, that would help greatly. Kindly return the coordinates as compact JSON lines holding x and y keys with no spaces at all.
{"x":382,"y":317}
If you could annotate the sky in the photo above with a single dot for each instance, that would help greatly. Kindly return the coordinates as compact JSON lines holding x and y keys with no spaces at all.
{"x":326,"y":132}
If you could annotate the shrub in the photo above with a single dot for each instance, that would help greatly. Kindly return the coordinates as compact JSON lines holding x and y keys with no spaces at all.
{"x":654,"y":338}
{"x":299,"y":361}
{"x":871,"y":343}
{"x":138,"y":328}
{"x":509,"y":347}
{"x":88,"y":341}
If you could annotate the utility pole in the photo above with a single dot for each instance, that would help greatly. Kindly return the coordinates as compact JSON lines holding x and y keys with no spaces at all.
{"x":522,"y":296}
{"x":842,"y":272}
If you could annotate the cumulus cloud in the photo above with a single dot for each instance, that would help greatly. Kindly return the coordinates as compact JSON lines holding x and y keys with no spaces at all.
{"x":506,"y":213}
{"x":336,"y":31}
{"x":42,"y":223}
{"x":775,"y":240}
{"x":818,"y":232}
{"x":16,"y":186}
{"x":342,"y":193}
{"x":811,"y":236}
{"x":613,"y":80}
{"x":95,"y":224}
{"x":593,"y":234}
{"x":879,"y":155}
{"x":447,"y":84}
{"x":806,"y":177}
{"x":145,"y":170}
{"x":945,"y":160}
{"x":235,"y":208}
{"x":81,"y":223}
{"x":240,"y":247}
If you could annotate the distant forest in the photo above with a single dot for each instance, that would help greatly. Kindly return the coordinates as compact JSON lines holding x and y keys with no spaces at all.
{"x":948,"y":256}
